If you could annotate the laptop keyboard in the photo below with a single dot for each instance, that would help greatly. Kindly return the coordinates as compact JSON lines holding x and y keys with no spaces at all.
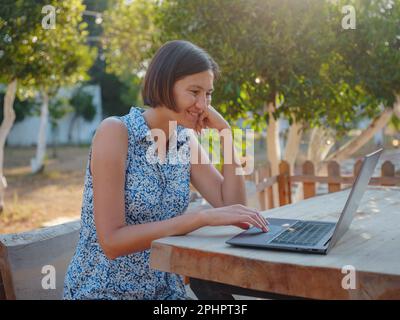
{"x":303,"y":233}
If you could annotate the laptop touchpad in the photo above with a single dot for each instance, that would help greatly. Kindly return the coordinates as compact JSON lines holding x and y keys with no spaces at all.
{"x":276,"y":226}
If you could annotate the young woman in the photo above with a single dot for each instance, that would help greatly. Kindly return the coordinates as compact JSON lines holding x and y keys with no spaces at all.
{"x":129,"y":201}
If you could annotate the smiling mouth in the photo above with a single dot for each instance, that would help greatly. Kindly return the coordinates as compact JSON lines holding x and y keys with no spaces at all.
{"x":193,"y":115}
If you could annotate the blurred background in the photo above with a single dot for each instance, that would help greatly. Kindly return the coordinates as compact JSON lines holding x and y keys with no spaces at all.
{"x":317,"y":80}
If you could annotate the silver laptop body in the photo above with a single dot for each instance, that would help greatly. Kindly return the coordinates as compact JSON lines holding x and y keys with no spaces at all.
{"x":310,"y":236}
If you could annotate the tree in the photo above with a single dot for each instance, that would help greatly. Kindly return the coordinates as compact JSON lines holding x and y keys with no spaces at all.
{"x":62,"y":66}
{"x":280,"y":59}
{"x":274,"y":56}
{"x":58,"y":108}
{"x":373,"y":51}
{"x":18,"y":23}
{"x":117,"y":94}
{"x":37,"y":56}
{"x":129,"y":36}
{"x":283,"y":59}
{"x":82,"y":106}
{"x":22,"y":108}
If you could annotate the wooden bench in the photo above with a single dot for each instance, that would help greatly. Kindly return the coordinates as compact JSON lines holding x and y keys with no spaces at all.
{"x":23,"y":258}
{"x":24,"y":255}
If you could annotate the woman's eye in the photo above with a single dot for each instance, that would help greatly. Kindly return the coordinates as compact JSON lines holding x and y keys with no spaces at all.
{"x":195,"y":92}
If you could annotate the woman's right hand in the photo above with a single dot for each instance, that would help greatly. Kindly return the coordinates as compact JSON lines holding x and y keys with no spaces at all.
{"x":237,"y":215}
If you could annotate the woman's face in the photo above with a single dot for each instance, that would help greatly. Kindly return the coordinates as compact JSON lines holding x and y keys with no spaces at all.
{"x":192,"y":96}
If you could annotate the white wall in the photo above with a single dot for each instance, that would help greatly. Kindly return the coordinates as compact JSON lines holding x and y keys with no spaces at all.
{"x":25,"y":133}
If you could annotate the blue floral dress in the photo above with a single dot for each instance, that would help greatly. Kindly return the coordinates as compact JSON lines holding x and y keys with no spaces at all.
{"x":153,"y":192}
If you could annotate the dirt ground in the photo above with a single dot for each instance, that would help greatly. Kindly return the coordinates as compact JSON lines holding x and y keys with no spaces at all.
{"x":52,"y":197}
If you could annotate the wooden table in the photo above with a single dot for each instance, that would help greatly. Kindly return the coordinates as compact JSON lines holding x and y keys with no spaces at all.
{"x":371,"y":246}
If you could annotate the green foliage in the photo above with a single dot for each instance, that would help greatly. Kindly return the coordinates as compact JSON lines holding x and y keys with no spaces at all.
{"x":131,"y":91}
{"x":58,"y":108}
{"x":292,"y":53}
{"x":43,"y":59}
{"x":395,"y":123}
{"x":82,"y":105}
{"x":265,"y":49}
{"x":129,"y":35}
{"x":373,"y":48}
{"x":95,"y":29}
{"x":119,"y":95}
{"x":22,"y":108}
{"x":19,"y":22}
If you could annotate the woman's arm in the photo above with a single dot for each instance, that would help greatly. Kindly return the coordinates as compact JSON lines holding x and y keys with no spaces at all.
{"x":218,"y":189}
{"x":233,"y":186}
{"x":109,"y":152}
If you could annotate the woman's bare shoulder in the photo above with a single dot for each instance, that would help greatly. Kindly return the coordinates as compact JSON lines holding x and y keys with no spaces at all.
{"x":111,"y":138}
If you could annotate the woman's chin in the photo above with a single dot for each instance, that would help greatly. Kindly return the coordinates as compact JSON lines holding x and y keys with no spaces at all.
{"x":189,"y":123}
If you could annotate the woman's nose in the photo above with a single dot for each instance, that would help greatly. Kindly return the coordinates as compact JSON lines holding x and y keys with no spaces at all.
{"x":202,"y":103}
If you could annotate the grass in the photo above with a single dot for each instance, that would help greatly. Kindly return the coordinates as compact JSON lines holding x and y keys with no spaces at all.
{"x":33,"y":200}
{"x":16,"y":212}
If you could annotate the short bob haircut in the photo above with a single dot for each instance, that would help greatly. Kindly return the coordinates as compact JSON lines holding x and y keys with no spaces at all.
{"x":172,"y":62}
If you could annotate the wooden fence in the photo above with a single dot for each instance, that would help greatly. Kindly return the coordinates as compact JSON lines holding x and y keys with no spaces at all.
{"x":284,"y":180}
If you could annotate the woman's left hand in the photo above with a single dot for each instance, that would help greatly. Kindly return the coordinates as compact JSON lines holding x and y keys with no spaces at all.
{"x":211,"y":118}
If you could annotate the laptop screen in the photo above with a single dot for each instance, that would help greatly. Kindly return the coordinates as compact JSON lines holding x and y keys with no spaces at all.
{"x":356,"y":194}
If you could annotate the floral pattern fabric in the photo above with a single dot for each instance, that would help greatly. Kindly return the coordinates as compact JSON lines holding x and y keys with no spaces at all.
{"x":153,"y":192}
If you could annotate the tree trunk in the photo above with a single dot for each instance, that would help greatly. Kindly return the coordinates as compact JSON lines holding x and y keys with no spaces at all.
{"x":273,"y":147}
{"x":291,"y":150}
{"x":6,"y":125}
{"x":355,"y":144}
{"x":293,"y":144}
{"x":37,"y":163}
{"x":54,"y":135}
{"x":321,"y":142}
{"x":71,"y":126}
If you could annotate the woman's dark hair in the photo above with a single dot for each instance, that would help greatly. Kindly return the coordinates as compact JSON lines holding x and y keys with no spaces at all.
{"x":172,"y":62}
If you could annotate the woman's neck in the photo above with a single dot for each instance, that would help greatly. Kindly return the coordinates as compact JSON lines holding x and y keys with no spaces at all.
{"x":159,"y":118}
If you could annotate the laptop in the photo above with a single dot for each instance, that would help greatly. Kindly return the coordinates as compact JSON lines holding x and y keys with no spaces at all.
{"x":310,"y":236}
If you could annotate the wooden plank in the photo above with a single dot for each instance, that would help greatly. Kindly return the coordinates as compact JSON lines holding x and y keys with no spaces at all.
{"x":264,"y":183}
{"x":333,"y":171}
{"x":368,"y":246}
{"x":357,"y":167}
{"x":6,"y":274}
{"x":279,"y":278}
{"x":23,"y":256}
{"x":258,"y":178}
{"x":2,"y":290}
{"x":269,"y":191}
{"x":308,"y":187}
{"x":387,"y":170}
{"x":375,"y":181}
{"x":284,"y":189}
